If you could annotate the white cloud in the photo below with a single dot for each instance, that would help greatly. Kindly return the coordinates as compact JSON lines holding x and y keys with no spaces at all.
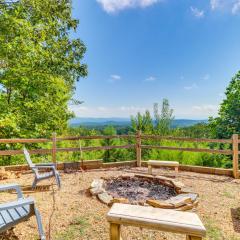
{"x":206,"y":110}
{"x":114,"y":77}
{"x":193,"y":86}
{"x":101,"y":108}
{"x":150,"y":79}
{"x":236,"y":7}
{"x":197,"y":12}
{"x":232,"y":6}
{"x":82,"y":108}
{"x":104,"y":111}
{"x":206,"y":77}
{"x":131,"y":109}
{"x":215,"y":4}
{"x":201,"y":111}
{"x":112,"y":6}
{"x":182,"y":111}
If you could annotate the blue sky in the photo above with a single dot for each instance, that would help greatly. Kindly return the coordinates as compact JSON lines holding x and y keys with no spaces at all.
{"x":141,"y":51}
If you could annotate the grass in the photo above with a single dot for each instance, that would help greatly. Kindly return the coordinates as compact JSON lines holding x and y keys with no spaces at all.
{"x":213,"y":231}
{"x":228,"y":194}
{"x":75,"y":229}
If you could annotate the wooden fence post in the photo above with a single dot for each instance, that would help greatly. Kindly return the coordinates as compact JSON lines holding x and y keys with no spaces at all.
{"x":235,"y":155}
{"x":138,"y":148}
{"x":54,"y":147}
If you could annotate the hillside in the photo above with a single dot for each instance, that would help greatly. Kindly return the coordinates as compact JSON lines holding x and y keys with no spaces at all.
{"x":96,"y":122}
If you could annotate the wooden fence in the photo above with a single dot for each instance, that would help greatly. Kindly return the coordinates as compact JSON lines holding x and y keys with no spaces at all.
{"x":138,"y":146}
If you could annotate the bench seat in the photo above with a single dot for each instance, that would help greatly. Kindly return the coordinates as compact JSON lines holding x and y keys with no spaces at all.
{"x":159,"y":163}
{"x":154,"y":218}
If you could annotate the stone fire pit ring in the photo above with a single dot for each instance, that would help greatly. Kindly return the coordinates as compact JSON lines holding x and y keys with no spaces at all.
{"x":147,"y":190}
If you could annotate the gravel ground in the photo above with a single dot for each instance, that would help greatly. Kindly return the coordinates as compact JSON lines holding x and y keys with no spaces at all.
{"x":80,"y":216}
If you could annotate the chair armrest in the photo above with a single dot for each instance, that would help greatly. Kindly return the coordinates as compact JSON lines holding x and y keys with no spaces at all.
{"x":19,"y":203}
{"x":12,"y":186}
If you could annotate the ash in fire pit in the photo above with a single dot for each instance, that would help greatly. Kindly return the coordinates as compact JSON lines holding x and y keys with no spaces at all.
{"x":157,"y":191}
{"x":138,"y":189}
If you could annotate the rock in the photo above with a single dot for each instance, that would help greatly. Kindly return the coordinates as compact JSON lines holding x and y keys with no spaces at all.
{"x":96,"y":191}
{"x":178,"y":184}
{"x":7,"y":174}
{"x":125,"y":177}
{"x":144,"y":176}
{"x":179,"y":200}
{"x":186,"y":190}
{"x":3,"y":173}
{"x":195,"y":204}
{"x":235,"y":181}
{"x":97,"y":183}
{"x":18,"y":174}
{"x":120,"y":200}
{"x":164,"y":178}
{"x":160,"y":204}
{"x":166,"y":181}
{"x":193,"y":196}
{"x":141,"y":203}
{"x":105,"y":198}
{"x":185,"y":207}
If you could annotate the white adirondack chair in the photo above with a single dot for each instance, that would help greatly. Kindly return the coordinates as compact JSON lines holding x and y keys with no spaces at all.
{"x":51,"y":167}
{"x":12,"y":213}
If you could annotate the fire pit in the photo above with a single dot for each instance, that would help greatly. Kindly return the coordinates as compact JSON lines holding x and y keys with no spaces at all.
{"x":140,"y":189}
{"x":137,"y":190}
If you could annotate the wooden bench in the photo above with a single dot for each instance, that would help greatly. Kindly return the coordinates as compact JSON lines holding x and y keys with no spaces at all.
{"x":159,"y":163}
{"x":154,"y":218}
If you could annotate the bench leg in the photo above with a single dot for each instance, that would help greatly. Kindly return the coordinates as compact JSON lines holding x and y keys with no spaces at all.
{"x":115,"y":231}
{"x":176,"y":169}
{"x":193,"y":238}
{"x":149,"y":169}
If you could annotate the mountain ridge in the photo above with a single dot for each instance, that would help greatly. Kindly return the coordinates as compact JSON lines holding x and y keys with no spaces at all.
{"x":115,"y":121}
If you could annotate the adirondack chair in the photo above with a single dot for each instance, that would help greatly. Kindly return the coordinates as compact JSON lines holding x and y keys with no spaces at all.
{"x":12,"y":213}
{"x":51,"y":167}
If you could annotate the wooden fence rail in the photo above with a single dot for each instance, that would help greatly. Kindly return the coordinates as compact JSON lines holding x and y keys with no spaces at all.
{"x":20,"y":140}
{"x":206,"y":150}
{"x":138,"y":146}
{"x":186,"y":139}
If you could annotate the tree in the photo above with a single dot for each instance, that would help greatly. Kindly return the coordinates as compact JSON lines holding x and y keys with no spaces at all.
{"x":39,"y":66}
{"x":142,"y":122}
{"x":228,"y":120}
{"x":164,"y":119}
{"x":113,"y":155}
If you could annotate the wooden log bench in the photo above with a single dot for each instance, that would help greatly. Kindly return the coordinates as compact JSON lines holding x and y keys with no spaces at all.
{"x":154,"y":218}
{"x":159,"y":163}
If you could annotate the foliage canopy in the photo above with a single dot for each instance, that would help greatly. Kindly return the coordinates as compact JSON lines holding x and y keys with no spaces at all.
{"x":228,"y":121}
{"x":160,"y":125}
{"x":39,"y":66}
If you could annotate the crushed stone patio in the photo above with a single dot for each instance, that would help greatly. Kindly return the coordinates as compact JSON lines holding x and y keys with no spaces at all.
{"x":72,"y":213}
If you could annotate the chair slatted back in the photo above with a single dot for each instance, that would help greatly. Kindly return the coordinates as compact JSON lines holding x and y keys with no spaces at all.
{"x":28,"y":158}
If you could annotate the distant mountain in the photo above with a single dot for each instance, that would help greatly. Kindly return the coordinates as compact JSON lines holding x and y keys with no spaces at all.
{"x":99,"y":121}
{"x":186,"y":122}
{"x":92,"y":122}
